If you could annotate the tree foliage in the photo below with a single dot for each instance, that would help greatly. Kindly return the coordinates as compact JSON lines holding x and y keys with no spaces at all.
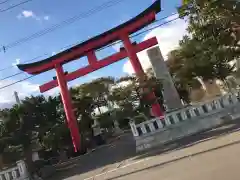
{"x":42,"y":120}
{"x":211,"y":43}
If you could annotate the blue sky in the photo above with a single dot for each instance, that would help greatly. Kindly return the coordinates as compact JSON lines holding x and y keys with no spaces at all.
{"x":37,"y":15}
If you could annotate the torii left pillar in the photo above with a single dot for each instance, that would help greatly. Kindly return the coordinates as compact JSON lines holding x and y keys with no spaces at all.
{"x":67,"y":103}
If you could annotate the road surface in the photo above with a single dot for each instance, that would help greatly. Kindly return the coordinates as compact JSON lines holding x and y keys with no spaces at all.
{"x":210,"y":155}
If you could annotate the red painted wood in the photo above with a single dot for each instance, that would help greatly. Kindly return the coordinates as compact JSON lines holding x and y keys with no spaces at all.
{"x":100,"y":64}
{"x":66,"y":99}
{"x":135,"y":27}
{"x":156,"y":109}
{"x":81,"y":51}
{"x":92,"y":59}
{"x":132,"y":55}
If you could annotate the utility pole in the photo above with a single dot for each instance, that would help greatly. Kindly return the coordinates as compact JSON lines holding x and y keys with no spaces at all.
{"x":17,"y":98}
{"x":34,"y":153}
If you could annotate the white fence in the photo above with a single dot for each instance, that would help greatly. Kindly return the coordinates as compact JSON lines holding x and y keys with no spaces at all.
{"x":191,"y":112}
{"x":16,"y":173}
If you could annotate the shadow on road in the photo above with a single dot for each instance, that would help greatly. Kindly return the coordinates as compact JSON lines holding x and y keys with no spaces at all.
{"x":124,"y":148}
{"x":117,"y":151}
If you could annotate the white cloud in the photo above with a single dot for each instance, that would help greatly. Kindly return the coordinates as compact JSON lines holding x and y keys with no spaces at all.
{"x":172,"y":17}
{"x":52,"y":92}
{"x":27,"y":14}
{"x":17,"y":61}
{"x":168,"y":37}
{"x":117,"y":45}
{"x":46,"y":18}
{"x":24,"y":88}
{"x":31,"y":14}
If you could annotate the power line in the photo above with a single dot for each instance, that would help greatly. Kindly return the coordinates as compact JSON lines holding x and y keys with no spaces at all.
{"x":30,"y":60}
{"x":11,"y":76}
{"x":3,"y":87}
{"x":64,"y":23}
{"x":4,"y":1}
{"x":13,"y":6}
{"x":98,"y":50}
{"x":144,"y":31}
{"x":155,"y":27}
{"x":71,"y":45}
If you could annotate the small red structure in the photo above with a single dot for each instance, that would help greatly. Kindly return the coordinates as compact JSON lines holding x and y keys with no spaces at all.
{"x":88,"y":49}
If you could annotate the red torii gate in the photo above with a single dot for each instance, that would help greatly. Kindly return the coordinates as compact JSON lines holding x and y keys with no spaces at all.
{"x":88,"y":49}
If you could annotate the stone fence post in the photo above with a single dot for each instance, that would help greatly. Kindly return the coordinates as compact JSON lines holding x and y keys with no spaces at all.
{"x":133,"y":128}
{"x":23,"y":171}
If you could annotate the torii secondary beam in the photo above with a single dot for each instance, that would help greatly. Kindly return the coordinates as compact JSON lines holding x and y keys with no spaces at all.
{"x":95,"y":65}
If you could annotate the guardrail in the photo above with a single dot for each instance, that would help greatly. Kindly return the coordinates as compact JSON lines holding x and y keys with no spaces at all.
{"x":16,"y":173}
{"x":192,"y":112}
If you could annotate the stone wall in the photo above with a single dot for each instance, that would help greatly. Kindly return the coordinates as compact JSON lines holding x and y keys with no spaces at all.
{"x":19,"y":172}
{"x":209,"y":90}
{"x":185,"y":122}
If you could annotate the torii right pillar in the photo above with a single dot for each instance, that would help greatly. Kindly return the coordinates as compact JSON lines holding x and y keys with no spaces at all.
{"x":156,"y":109}
{"x":170,"y":94}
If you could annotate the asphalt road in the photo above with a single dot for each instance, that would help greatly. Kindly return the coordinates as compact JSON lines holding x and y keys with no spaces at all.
{"x":220,"y":164}
{"x":209,"y":155}
{"x":102,"y":159}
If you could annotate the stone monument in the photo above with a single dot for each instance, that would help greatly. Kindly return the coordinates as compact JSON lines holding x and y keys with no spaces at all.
{"x":160,"y":70}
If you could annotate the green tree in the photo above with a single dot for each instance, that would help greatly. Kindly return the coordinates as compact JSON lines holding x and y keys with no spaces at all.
{"x":98,"y":90}
{"x":214,"y":40}
{"x":215,"y":20}
{"x":30,"y":122}
{"x":133,"y":94}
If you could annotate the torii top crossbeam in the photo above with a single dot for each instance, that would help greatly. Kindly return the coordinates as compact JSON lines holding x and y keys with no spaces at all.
{"x":85,"y":48}
{"x":88,"y":49}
